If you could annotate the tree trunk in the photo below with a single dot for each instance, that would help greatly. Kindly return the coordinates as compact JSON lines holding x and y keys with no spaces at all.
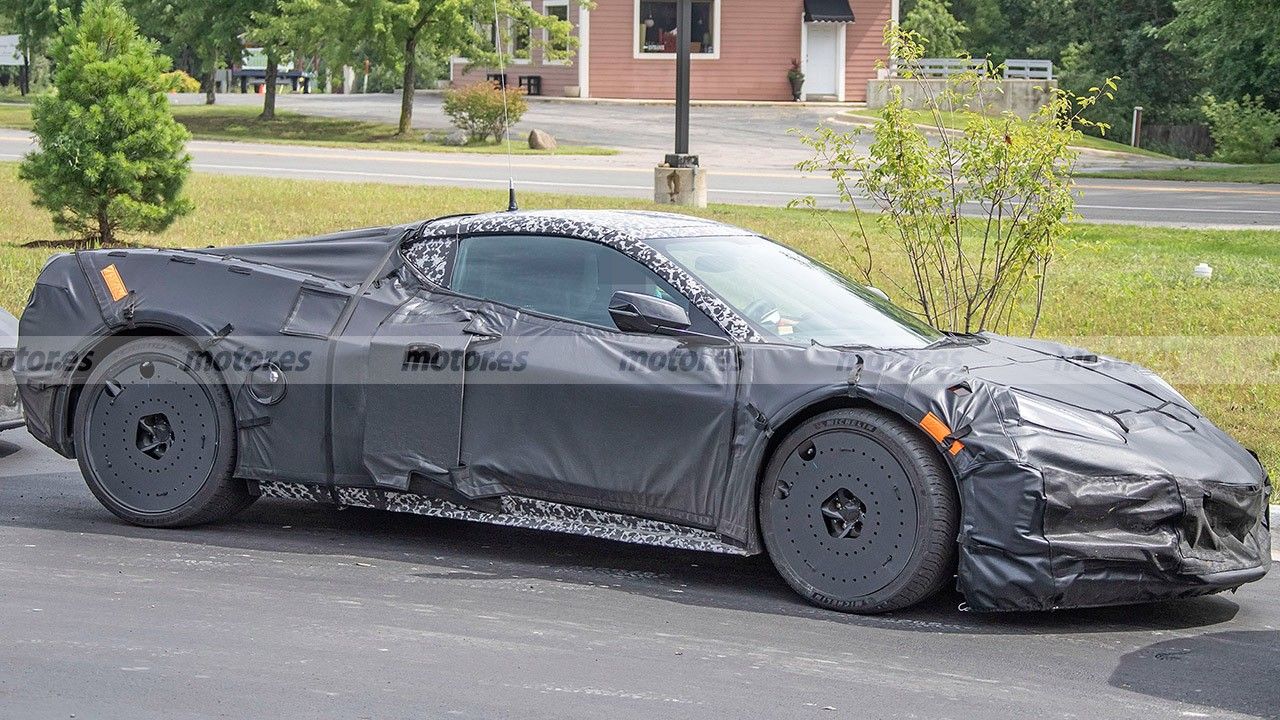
{"x":24,"y":82}
{"x":410,"y":79}
{"x":211,"y":84}
{"x":269,"y":92}
{"x":105,"y":233}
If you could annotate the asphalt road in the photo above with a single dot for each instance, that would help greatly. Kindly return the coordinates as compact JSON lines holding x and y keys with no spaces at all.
{"x":746,"y":150}
{"x":297,"y":610}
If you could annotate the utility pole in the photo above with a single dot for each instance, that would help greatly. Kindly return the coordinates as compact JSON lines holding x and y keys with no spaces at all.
{"x":680,"y":180}
{"x":684,"y":28}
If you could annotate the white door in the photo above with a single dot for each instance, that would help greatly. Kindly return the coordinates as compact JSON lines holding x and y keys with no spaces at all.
{"x":822,"y":58}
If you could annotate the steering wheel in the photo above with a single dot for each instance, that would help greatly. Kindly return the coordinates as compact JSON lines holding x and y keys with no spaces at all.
{"x":759,"y":310}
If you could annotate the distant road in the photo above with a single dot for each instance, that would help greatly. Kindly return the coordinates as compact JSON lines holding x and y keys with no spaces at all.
{"x":630,"y":174}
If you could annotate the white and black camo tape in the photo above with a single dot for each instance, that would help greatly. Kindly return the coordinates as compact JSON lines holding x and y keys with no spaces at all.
{"x":431,"y":253}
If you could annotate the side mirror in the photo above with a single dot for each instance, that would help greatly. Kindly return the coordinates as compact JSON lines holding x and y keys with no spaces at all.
{"x":639,"y":313}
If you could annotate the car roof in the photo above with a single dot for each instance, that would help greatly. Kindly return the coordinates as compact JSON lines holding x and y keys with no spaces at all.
{"x":588,"y":224}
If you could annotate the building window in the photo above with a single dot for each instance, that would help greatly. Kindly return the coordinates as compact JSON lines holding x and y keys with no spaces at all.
{"x":656,"y":27}
{"x":521,"y":39}
{"x":558,"y":9}
{"x":511,"y":37}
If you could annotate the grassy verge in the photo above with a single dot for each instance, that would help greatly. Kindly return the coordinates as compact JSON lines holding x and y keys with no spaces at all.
{"x":1125,"y":291}
{"x":240,"y":123}
{"x":1261,"y":174}
{"x":955,"y":121}
{"x":15,"y":115}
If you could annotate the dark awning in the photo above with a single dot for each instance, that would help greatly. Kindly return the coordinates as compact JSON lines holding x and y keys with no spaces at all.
{"x":827,"y":11}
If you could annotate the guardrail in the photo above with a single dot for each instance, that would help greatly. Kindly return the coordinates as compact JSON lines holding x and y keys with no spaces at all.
{"x":936,"y":67}
{"x":1013,"y":69}
{"x":1028,"y":69}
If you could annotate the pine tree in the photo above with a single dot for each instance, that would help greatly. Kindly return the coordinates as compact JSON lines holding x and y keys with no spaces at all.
{"x":111,"y":155}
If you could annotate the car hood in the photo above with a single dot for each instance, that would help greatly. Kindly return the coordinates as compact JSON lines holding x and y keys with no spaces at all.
{"x":1055,"y":406}
{"x":1057,"y":372}
{"x":1036,"y":403}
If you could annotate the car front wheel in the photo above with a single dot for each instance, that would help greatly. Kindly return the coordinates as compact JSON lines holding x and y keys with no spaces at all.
{"x":859,"y":513}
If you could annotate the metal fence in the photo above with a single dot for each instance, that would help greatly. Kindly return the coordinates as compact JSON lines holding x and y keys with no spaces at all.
{"x":1186,"y":140}
{"x":1015,"y":69}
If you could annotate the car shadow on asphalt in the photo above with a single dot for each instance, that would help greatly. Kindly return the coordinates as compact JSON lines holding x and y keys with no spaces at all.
{"x":8,"y":448}
{"x":1192,"y":670}
{"x":471,"y":551}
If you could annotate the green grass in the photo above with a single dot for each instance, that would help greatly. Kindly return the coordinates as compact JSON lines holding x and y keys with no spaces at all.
{"x":15,"y":115}
{"x":241,"y":123}
{"x":1125,"y":291}
{"x":955,"y":121}
{"x":1261,"y":174}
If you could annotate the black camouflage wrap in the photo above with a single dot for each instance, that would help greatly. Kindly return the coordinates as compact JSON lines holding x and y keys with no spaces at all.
{"x":1083,"y":480}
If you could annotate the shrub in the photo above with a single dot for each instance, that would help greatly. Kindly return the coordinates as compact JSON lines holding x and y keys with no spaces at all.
{"x":979,"y":212}
{"x":111,"y":155}
{"x":180,"y":82}
{"x":1243,"y":131}
{"x":478,"y":111}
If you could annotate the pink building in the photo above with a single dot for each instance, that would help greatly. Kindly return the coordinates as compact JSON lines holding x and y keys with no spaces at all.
{"x":742,"y":49}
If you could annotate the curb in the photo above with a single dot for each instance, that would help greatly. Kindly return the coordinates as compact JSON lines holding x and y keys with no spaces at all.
{"x":848,"y":105}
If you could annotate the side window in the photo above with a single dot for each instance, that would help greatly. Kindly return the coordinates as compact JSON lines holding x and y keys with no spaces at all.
{"x":562,"y":277}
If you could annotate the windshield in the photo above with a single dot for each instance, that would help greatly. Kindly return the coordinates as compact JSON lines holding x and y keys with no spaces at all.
{"x":790,"y":298}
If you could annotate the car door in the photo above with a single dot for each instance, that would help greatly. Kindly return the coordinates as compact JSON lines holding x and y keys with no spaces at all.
{"x":560,"y":404}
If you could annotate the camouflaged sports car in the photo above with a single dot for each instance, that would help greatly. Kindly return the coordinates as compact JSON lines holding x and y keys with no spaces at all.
{"x":640,"y":377}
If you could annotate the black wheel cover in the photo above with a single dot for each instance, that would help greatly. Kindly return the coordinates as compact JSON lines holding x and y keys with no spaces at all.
{"x":152,"y":434}
{"x":844,"y":513}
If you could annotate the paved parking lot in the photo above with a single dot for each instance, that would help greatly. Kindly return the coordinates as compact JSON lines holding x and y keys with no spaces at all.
{"x":718,"y":133}
{"x":298,"y":610}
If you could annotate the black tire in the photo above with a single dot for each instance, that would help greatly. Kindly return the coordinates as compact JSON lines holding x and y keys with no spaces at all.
{"x":859,"y":513}
{"x":155,"y":436}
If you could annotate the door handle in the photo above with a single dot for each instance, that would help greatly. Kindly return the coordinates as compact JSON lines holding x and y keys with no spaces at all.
{"x":480,"y":335}
{"x":420,"y":356}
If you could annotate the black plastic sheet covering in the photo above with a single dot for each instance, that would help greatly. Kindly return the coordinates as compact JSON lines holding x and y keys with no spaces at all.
{"x":347,"y":257}
{"x":1083,"y":480}
{"x":523,"y":404}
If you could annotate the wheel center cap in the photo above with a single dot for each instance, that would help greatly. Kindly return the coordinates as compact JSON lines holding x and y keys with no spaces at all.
{"x":154,"y":435}
{"x":844,"y":514}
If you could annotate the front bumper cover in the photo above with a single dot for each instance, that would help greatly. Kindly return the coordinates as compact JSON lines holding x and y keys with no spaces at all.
{"x":1089,"y":541}
{"x":1133,"y":539}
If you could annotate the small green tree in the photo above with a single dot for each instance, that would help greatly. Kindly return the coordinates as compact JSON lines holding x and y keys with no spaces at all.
{"x":933,"y":19}
{"x":111,"y":155}
{"x":395,"y":30}
{"x":34,"y":21}
{"x":978,"y":212}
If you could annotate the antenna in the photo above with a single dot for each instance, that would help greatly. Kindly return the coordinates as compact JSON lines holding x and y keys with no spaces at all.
{"x":512,"y":205}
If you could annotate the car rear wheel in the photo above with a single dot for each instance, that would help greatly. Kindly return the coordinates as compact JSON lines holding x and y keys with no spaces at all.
{"x":859,"y":513}
{"x":155,"y":437}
